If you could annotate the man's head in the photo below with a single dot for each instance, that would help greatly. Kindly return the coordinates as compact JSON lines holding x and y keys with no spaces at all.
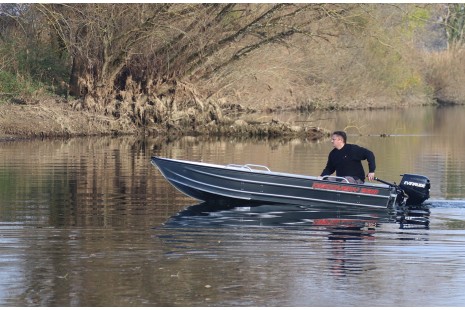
{"x":338,"y":138}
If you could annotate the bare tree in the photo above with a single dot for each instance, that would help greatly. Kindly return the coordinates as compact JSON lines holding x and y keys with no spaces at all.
{"x":120,"y":51}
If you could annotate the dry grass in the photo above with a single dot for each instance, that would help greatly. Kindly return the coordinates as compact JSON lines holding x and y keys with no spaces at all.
{"x":445,"y":72}
{"x":320,"y":75}
{"x":54,"y":118}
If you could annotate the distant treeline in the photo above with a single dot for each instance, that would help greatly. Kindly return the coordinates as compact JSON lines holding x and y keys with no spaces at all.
{"x":182,"y":63}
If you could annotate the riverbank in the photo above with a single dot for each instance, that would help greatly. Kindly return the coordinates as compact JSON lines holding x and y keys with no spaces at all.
{"x":56,"y":117}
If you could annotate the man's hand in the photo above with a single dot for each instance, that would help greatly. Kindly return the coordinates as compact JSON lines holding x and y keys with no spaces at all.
{"x":371,"y":176}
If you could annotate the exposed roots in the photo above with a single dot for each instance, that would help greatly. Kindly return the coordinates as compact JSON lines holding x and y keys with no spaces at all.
{"x":171,"y":111}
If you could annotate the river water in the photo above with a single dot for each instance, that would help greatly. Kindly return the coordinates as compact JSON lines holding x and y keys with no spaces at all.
{"x":90,"y":222}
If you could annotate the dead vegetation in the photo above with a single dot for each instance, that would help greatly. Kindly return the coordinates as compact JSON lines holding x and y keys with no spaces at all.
{"x":178,"y":68}
{"x":446,"y":84}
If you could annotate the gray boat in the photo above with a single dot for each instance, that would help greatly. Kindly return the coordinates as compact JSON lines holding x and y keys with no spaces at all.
{"x":247,"y":184}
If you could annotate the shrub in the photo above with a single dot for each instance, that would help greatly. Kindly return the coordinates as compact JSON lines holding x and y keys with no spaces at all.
{"x":8,"y":83}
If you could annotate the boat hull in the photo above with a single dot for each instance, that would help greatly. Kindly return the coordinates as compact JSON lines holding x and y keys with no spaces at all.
{"x":234,"y":184}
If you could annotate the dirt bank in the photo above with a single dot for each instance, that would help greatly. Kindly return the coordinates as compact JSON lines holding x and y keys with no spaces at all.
{"x":55,"y":118}
{"x":58,"y":118}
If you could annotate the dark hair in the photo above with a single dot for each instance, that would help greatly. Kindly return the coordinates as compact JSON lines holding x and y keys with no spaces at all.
{"x":341,"y":134}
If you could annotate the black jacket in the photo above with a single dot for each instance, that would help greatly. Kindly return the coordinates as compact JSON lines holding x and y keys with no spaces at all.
{"x":348,"y":161}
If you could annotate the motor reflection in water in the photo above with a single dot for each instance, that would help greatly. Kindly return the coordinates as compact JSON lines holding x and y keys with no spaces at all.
{"x":341,"y":222}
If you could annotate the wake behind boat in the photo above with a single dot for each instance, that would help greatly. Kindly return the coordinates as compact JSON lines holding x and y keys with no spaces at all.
{"x":236,"y":184}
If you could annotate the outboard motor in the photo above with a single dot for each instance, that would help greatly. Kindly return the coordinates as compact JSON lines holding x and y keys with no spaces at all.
{"x":416,"y":187}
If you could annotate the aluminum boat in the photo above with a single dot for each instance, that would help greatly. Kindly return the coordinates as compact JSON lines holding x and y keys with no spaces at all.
{"x":250,"y":183}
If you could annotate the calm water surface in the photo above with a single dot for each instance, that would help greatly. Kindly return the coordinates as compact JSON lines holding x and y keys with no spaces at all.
{"x":89,"y":222}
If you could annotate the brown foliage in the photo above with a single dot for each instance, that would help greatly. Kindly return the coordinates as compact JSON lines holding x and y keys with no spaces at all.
{"x":137,"y":59}
{"x":445,"y":73}
{"x":182,"y":65}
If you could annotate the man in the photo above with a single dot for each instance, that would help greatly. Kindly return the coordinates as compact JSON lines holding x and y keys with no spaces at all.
{"x":346,"y":160}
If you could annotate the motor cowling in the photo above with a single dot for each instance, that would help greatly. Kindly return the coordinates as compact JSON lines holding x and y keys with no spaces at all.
{"x":416,"y":187}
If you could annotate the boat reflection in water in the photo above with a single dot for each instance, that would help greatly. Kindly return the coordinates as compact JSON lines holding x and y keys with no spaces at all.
{"x":341,"y":222}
